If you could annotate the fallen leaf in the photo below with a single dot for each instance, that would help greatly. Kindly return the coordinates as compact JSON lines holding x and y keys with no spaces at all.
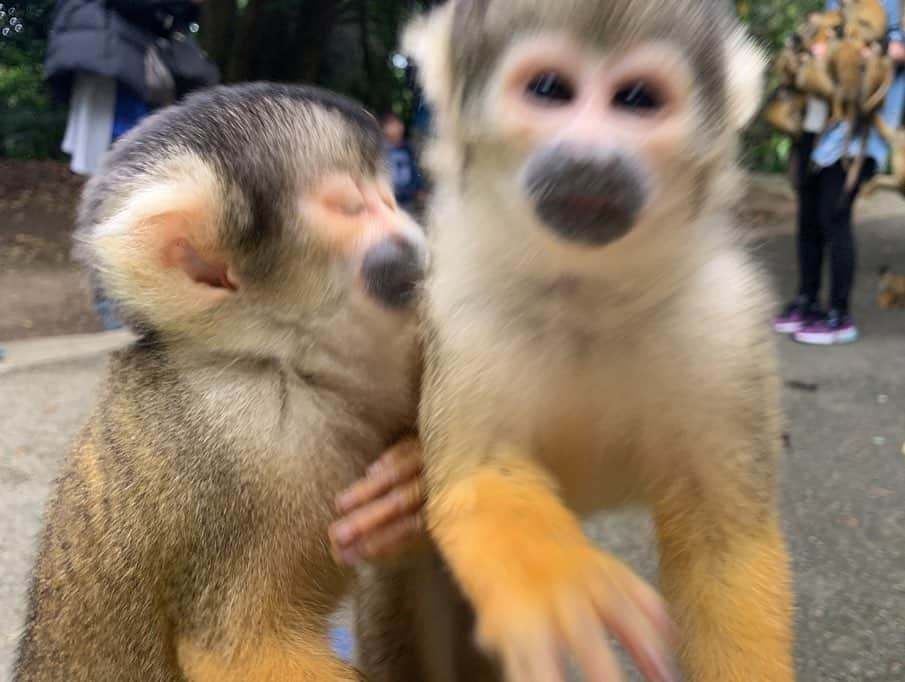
{"x":849,"y":521}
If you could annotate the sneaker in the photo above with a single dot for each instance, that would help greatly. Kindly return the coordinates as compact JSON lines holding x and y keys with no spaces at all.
{"x":796,"y":316}
{"x":835,"y":328}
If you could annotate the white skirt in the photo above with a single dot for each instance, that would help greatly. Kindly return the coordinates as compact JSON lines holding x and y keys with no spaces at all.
{"x":89,"y":127}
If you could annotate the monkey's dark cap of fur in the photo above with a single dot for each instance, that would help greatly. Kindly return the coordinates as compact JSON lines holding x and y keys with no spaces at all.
{"x":263,"y":142}
{"x":697,"y":27}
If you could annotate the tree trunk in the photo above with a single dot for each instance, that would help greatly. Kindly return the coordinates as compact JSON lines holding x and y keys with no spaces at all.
{"x":317,"y":20}
{"x":219,"y":21}
{"x":367,"y":63}
{"x":282,"y":43}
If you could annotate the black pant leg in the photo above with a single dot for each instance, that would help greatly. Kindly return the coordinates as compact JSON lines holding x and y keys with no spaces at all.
{"x":835,"y":211}
{"x":810,"y":233}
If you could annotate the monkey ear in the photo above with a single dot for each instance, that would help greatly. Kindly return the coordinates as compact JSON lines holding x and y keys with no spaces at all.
{"x":159,"y":255}
{"x":745,"y":74}
{"x":426,"y":40}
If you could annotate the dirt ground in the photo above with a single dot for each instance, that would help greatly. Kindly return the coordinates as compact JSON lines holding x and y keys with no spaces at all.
{"x":43,"y":293}
{"x":41,"y":290}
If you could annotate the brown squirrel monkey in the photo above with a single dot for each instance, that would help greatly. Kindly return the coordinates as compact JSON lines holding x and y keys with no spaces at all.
{"x":785,"y":110}
{"x":819,"y":27}
{"x":596,"y":336}
{"x":866,"y":19}
{"x":845,"y":62}
{"x":252,"y":240}
{"x":891,"y":285}
{"x":814,"y":77}
{"x":877,"y":74}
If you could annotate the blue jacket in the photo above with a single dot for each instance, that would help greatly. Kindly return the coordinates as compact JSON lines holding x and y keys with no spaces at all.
{"x":404,"y":170}
{"x":829,"y":149}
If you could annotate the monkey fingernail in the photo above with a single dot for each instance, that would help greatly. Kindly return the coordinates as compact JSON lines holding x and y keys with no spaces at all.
{"x":664,"y":667}
{"x":343,"y":533}
{"x":350,"y":557}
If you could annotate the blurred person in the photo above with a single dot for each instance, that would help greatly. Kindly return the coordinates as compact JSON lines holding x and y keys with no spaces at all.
{"x":113,"y":62}
{"x":408,"y":186}
{"x":825,"y":210}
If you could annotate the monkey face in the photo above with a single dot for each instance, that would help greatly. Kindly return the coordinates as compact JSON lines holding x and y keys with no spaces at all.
{"x":581,"y":128}
{"x":596,"y":130}
{"x":248,"y":215}
{"x":358,"y":220}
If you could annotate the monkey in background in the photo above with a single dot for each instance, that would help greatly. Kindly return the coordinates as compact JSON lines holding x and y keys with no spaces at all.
{"x":891,"y":286}
{"x":253,"y":242}
{"x":866,"y":19}
{"x":819,"y":27}
{"x":595,"y":337}
{"x":785,"y":110}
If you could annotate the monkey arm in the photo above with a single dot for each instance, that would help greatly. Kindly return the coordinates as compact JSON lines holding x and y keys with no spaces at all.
{"x":724,"y":568}
{"x":875,"y":99}
{"x":881,"y":182}
{"x":730,"y":589}
{"x":535,"y":580}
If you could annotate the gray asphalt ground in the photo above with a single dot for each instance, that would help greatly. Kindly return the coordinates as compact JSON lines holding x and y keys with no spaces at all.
{"x":843,"y":486}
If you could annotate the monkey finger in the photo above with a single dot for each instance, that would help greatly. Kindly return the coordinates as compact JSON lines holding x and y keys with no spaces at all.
{"x":382,"y":543}
{"x":404,"y":455}
{"x":648,"y":646}
{"x":588,"y":642}
{"x":400,"y":502}
{"x":654,"y":607}
{"x":398,"y":464}
{"x":533,"y":661}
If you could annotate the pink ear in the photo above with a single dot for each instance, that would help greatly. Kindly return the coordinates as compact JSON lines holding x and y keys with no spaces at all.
{"x":184,"y":240}
{"x":208,"y":271}
{"x":161,"y":252}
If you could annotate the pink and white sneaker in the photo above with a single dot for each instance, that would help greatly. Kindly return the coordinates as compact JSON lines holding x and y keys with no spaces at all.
{"x":836,"y":328}
{"x":797,"y":315}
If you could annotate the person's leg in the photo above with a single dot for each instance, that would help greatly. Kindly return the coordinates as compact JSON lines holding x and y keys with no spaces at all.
{"x":810,"y":244}
{"x":811,"y":241}
{"x":835,"y":215}
{"x":842,"y":241}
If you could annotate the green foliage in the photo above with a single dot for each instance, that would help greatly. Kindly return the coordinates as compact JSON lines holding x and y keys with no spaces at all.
{"x":770,"y":22}
{"x":31,"y":125}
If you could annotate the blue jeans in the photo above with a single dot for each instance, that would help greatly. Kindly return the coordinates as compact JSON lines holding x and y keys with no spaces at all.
{"x":129,"y":110}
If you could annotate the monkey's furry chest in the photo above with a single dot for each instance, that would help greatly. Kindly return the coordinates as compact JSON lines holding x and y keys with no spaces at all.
{"x":627,"y":398}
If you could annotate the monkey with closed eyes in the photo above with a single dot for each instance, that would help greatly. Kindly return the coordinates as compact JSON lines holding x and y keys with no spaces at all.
{"x":252,"y":241}
{"x":595,"y":337}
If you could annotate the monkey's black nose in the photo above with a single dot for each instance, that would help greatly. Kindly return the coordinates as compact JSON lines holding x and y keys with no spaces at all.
{"x":585,"y":200}
{"x":392,"y":270}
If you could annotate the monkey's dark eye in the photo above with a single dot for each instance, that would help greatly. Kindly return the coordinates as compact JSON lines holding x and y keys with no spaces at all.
{"x":638,"y":97}
{"x":552,"y":88}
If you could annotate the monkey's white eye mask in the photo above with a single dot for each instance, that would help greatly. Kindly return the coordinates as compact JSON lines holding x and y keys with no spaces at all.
{"x":593,"y":128}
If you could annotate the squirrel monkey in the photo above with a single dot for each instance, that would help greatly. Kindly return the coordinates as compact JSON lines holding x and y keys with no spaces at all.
{"x":866,"y":19}
{"x":253,"y":242}
{"x":785,"y":110}
{"x":595,"y":336}
{"x":891,"y":285}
